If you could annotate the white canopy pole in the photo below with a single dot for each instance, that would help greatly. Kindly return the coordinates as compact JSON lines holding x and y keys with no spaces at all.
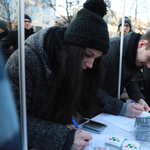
{"x":22,"y":75}
{"x":121,"y":50}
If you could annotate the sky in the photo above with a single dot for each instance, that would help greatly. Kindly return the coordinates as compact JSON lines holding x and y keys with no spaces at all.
{"x":117,"y":5}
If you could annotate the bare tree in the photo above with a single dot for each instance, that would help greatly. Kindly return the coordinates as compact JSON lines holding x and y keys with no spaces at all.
{"x":69,"y":4}
{"x":139,"y":9}
{"x":9,"y":12}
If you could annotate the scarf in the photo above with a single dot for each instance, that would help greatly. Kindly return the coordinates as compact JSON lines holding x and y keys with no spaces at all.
{"x":131,"y":51}
{"x":52,"y":45}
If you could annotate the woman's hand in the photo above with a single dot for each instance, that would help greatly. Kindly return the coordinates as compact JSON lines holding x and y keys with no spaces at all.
{"x":81,"y":139}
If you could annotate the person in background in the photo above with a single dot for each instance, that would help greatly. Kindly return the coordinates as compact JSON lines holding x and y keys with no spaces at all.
{"x":63,"y":75}
{"x":3,"y":34}
{"x":3,"y":30}
{"x":9,"y":125}
{"x":127,"y":26}
{"x":136,"y":54}
{"x":12,"y":38}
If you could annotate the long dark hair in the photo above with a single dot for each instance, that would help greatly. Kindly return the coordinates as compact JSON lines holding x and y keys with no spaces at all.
{"x":74,"y":89}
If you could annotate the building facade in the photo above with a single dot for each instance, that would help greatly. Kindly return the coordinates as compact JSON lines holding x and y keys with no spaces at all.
{"x":43,"y":16}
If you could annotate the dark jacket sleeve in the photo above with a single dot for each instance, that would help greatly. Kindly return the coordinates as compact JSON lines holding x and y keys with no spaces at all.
{"x":41,"y":133}
{"x":70,"y":140}
{"x":108,"y":104}
{"x":133,"y":91}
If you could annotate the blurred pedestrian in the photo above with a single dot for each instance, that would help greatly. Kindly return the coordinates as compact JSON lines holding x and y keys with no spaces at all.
{"x":12,"y":38}
{"x":127,"y":26}
{"x":10,"y":138}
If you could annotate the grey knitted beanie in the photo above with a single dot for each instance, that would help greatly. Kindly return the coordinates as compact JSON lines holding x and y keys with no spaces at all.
{"x":3,"y":25}
{"x":126,"y":20}
{"x":89,"y":29}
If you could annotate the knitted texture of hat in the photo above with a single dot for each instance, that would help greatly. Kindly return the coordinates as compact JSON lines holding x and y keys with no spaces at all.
{"x":3,"y":25}
{"x":27,"y":17}
{"x":89,"y":29}
{"x":126,"y":20}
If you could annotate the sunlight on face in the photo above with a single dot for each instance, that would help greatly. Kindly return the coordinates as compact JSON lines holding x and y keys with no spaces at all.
{"x":89,"y":57}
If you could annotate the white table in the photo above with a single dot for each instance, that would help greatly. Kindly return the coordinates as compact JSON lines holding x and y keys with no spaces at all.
{"x":114,"y":130}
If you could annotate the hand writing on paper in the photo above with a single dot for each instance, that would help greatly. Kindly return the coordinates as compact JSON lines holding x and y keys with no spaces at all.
{"x":81,"y":139}
{"x":144,"y":105}
{"x":133,"y":110}
{"x":71,"y":127}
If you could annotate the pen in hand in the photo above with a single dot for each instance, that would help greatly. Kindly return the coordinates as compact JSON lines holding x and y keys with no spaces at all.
{"x":133,"y":101}
{"x":76,"y":125}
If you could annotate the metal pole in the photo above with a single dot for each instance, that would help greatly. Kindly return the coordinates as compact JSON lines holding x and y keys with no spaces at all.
{"x":22,"y":75}
{"x":121,"y":50}
{"x":135,"y":15}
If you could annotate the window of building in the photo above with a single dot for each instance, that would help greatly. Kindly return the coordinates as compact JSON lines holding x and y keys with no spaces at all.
{"x":35,"y":19}
{"x":47,"y":20}
{"x":31,"y":8}
{"x":46,"y":2}
{"x":36,"y":8}
{"x":7,"y":3}
{"x":46,"y":10}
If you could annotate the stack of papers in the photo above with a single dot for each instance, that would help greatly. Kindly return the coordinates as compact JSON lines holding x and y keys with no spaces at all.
{"x":123,"y":122}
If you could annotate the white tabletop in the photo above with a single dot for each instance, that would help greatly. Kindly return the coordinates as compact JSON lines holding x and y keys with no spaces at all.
{"x":114,"y":130}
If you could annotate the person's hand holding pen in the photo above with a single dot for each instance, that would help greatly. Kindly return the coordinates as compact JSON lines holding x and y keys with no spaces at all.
{"x":81,"y":138}
{"x":133,"y":110}
{"x":144,"y":105}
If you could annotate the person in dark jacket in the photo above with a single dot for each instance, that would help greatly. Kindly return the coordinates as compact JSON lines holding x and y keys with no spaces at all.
{"x":3,"y":29}
{"x":3,"y":34}
{"x":136,"y":54}
{"x":63,"y":69}
{"x":12,"y":38}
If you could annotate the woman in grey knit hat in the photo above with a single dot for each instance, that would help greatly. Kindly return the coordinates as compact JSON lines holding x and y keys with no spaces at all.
{"x":63,"y":75}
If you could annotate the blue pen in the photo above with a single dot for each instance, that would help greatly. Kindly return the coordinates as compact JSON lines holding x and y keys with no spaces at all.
{"x":76,"y":125}
{"x":132,"y":101}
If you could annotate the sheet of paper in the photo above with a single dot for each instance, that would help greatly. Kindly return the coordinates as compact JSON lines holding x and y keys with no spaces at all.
{"x":124,"y":122}
{"x":97,"y":141}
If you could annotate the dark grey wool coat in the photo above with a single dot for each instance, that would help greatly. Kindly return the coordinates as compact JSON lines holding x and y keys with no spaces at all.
{"x":41,"y":63}
{"x":39,"y":81}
